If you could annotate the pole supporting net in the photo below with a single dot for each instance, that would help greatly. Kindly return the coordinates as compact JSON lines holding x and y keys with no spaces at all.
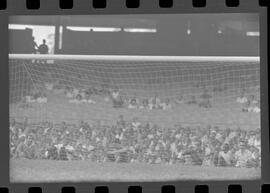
{"x":163,"y":90}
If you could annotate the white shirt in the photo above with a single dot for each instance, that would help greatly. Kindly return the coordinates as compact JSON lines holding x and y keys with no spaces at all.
{"x":242,"y":157}
{"x":49,"y":86}
{"x":256,"y":110}
{"x":30,"y":99}
{"x":91,"y":101}
{"x":207,"y":151}
{"x":119,"y":136}
{"x":179,"y":155}
{"x":42,"y":100}
{"x":230,"y":137}
{"x":58,"y":146}
{"x":178,"y":136}
{"x":12,"y":129}
{"x":251,"y":141}
{"x":136,"y":124}
{"x":242,"y":100}
{"x":166,"y":106}
{"x":69,"y":147}
{"x":151,"y":106}
{"x":115,"y":95}
{"x":257,"y":144}
{"x":150,"y":136}
{"x":219,"y":137}
{"x":173,"y":148}
{"x":226,"y":156}
{"x":90,"y":148}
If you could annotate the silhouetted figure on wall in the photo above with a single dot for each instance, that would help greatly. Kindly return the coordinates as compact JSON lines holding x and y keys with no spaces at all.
{"x":32,"y":49}
{"x":43,"y":48}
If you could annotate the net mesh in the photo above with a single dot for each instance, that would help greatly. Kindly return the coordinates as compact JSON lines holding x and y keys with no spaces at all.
{"x":198,"y":91}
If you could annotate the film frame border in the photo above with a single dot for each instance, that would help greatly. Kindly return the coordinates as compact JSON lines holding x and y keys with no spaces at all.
{"x":84,"y":7}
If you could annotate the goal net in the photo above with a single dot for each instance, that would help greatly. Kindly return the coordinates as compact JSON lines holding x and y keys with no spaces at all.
{"x":158,"y":89}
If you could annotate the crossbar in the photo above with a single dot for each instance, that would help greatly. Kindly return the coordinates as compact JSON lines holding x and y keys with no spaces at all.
{"x":137,"y":58}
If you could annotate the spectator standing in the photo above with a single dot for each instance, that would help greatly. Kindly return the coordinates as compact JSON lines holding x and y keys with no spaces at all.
{"x":43,"y":48}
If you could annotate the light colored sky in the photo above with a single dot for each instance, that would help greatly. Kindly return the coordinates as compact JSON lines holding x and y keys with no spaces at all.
{"x":39,"y":32}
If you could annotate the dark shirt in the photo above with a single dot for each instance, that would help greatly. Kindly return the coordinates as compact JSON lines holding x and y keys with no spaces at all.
{"x":63,"y":154}
{"x":196,"y":159}
{"x":52,"y":153}
{"x":43,"y":49}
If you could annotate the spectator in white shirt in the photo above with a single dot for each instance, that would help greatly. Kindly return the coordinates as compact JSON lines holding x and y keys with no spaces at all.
{"x":243,"y":155}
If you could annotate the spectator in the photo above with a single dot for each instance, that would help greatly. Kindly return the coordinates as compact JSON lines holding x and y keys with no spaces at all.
{"x":154,"y":103}
{"x":242,"y":99}
{"x":52,"y":153}
{"x":43,"y":48}
{"x":179,"y":100}
{"x":243,"y":155}
{"x":166,"y":105}
{"x":117,"y":99}
{"x":145,"y":104}
{"x":208,"y":159}
{"x":135,"y":142}
{"x":133,"y":104}
{"x":63,"y":154}
{"x":225,"y":156}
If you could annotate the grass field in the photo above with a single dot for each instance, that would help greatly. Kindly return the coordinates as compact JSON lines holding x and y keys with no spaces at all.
{"x":85,"y":171}
{"x":58,"y":109}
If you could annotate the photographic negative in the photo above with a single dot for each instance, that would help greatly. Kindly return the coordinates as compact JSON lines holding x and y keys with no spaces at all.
{"x":134,"y":97}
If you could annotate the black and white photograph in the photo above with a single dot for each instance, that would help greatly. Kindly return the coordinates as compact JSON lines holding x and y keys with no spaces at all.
{"x":137,"y":97}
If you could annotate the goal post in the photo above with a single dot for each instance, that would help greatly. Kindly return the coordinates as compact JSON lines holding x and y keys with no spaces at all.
{"x":176,"y":79}
{"x":137,"y":58}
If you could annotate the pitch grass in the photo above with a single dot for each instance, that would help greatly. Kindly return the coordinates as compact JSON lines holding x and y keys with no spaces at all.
{"x":58,"y":109}
{"x":23,"y":170}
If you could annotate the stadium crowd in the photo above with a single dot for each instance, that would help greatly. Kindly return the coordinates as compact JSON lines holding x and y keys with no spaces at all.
{"x":136,"y":142}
